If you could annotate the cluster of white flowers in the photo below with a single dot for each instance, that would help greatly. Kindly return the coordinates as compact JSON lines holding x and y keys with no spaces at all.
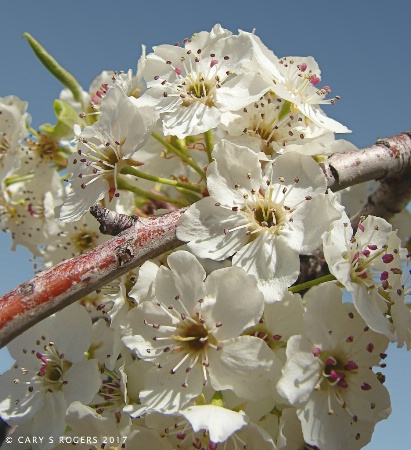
{"x":208,"y":346}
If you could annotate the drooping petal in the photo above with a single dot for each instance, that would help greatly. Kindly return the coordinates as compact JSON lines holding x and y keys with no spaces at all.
{"x":220,"y":422}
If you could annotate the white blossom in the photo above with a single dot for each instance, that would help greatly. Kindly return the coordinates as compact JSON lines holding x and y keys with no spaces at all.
{"x":103,"y":149}
{"x":192,"y":85}
{"x":263,"y":221}
{"x":327,"y":376}
{"x":361,"y":263}
{"x":50,"y":372}
{"x":192,"y":333}
{"x":295,"y":79}
{"x":14,"y":121}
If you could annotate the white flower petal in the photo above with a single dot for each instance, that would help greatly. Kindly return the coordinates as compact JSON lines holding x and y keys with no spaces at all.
{"x":238,"y":303}
{"x":270,"y":259}
{"x":372,"y":308}
{"x":164,"y":392}
{"x":204,"y":225}
{"x":83,"y":381}
{"x":235,"y":172}
{"x":316,"y":114}
{"x":243,"y":365}
{"x":301,"y":372}
{"x":221,"y":423}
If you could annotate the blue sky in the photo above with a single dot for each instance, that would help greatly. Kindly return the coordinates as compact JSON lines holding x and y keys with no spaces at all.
{"x":361,"y":47}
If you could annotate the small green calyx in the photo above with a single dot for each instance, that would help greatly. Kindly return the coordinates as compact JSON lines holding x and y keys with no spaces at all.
{"x":67,"y":117}
{"x":217,"y":399}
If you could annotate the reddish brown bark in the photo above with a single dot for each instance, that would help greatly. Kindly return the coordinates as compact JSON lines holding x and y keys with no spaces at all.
{"x":56,"y":288}
{"x":53,"y":289}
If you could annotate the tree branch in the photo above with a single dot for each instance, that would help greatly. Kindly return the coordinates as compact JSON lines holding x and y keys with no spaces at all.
{"x":59,"y":286}
{"x":53,"y":289}
{"x":388,"y":158}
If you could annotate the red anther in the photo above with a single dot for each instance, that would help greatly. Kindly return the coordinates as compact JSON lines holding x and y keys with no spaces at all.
{"x":41,"y":357}
{"x":350,"y":365}
{"x":314,"y":80}
{"x":342,"y":384}
{"x":316,"y":351}
{"x":387,"y":258}
{"x":384,"y":275}
{"x":331,"y":361}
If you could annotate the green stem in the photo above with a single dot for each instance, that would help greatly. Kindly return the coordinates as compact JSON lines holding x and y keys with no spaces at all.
{"x":187,"y":159}
{"x":13,"y":179}
{"x":132,"y":171}
{"x":209,"y":143}
{"x":122,"y":184}
{"x":55,"y":69}
{"x":33,"y":131}
{"x":308,"y":284}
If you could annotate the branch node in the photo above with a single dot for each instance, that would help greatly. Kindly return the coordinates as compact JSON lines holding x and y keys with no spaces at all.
{"x":111,"y":223}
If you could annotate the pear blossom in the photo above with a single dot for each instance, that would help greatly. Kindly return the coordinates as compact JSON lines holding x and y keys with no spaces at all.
{"x":355,"y":197}
{"x":360,"y":263}
{"x":210,"y":426}
{"x":264,"y":220}
{"x":103,"y":149}
{"x":211,"y":349}
{"x":296,"y":79}
{"x":192,"y":333}
{"x":301,"y":87}
{"x":72,"y":240}
{"x":192,"y":86}
{"x":50,"y":372}
{"x":14,"y":121}
{"x":328,"y":375}
{"x":27,"y":209}
{"x":93,"y":431}
{"x":268,"y":126}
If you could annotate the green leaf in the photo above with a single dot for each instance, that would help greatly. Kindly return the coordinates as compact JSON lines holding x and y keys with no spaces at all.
{"x":55,"y":69}
{"x":66,"y":118}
